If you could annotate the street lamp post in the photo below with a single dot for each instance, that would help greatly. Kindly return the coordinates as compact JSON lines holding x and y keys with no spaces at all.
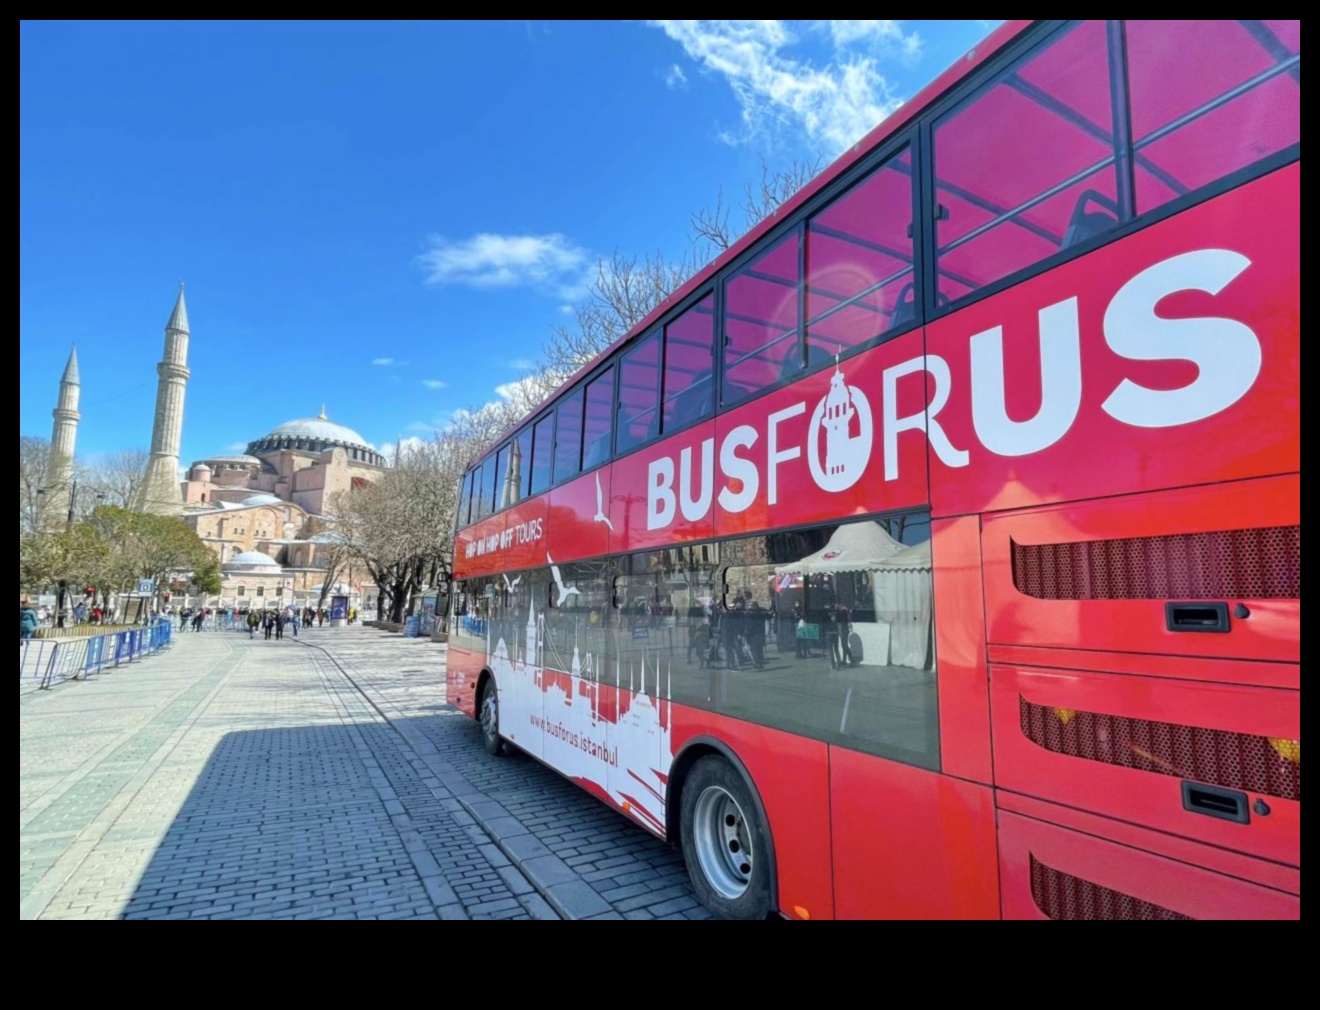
{"x":68,"y":524}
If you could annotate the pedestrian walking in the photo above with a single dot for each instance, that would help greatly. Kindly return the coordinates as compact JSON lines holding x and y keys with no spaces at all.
{"x":279,"y":624}
{"x":27,"y":620}
{"x":267,"y":624}
{"x":253,"y":622}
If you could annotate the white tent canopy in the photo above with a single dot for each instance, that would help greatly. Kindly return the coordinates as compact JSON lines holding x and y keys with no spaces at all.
{"x":854,"y":547}
{"x":901,"y":588}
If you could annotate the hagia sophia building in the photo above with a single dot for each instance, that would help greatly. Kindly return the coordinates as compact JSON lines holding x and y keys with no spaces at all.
{"x":262,"y":511}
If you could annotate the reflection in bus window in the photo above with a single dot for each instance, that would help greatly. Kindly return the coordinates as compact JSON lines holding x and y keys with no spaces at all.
{"x":689,"y":379}
{"x":599,"y":420}
{"x":827,"y":632}
{"x":761,"y":316}
{"x":543,"y":450}
{"x":568,"y":437}
{"x":1026,"y":167}
{"x":639,"y":395}
{"x":1209,"y":98}
{"x":860,"y":281}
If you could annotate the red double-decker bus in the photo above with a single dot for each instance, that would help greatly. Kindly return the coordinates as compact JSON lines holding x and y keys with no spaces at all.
{"x":936,"y":551}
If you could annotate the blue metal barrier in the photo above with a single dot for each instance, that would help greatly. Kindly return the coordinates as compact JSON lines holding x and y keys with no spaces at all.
{"x":60,"y":659}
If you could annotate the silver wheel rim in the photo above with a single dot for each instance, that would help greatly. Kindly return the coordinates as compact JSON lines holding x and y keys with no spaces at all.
{"x":723,"y":842}
{"x":490,"y":714}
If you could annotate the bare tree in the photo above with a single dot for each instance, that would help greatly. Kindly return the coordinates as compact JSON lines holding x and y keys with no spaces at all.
{"x":625,"y":290}
{"x":33,"y":471}
{"x":119,"y":476}
{"x":401,"y":526}
{"x":715,"y":228}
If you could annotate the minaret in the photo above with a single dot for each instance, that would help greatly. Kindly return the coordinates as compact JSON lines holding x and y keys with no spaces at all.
{"x":63,"y":435}
{"x":160,"y":489}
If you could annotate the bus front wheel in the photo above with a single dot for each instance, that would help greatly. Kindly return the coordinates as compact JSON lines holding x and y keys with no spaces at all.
{"x":725,"y":845}
{"x":489,"y":710}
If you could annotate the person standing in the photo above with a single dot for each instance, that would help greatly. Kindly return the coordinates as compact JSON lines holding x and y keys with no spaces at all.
{"x":267,"y":624}
{"x":27,"y":620}
{"x":253,"y":620}
{"x":293,"y":621}
{"x":279,"y":624}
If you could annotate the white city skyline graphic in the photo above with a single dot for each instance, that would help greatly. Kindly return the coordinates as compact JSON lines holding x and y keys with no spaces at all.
{"x":553,"y":707}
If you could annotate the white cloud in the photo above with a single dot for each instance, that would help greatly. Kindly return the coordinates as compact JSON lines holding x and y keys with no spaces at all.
{"x":236,"y":447}
{"x":382,"y":361}
{"x":835,"y":104}
{"x":522,"y":364}
{"x":885,"y":38}
{"x":549,"y":263}
{"x":675,"y":78}
{"x":434,"y":383}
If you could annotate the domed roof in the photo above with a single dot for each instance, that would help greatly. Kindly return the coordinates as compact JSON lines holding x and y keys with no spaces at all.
{"x":262,"y":499}
{"x":239,"y":458}
{"x":253,"y":558}
{"x":320,"y":428}
{"x":316,"y":435}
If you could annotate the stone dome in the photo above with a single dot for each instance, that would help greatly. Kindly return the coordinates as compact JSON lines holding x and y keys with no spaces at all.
{"x":261,"y":499}
{"x":252,"y":559}
{"x":316,"y":435}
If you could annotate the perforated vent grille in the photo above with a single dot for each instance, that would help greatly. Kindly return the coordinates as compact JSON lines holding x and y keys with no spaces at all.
{"x":1263,"y":563}
{"x":1063,"y":896}
{"x":1232,"y":760}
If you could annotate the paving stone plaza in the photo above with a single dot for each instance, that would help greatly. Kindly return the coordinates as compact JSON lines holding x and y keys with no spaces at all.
{"x":322,"y":777}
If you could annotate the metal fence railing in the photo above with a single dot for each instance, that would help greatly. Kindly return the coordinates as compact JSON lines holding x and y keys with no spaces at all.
{"x":52,"y":660}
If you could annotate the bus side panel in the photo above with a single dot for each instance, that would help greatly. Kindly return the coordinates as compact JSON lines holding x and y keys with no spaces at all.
{"x":660,"y":467}
{"x":1050,"y":872}
{"x":962,"y":687}
{"x":910,"y":843}
{"x":1099,"y":575}
{"x":1168,"y":358}
{"x":791,"y":775}
{"x":462,"y":670}
{"x":577,"y":519}
{"x":1130,"y":747}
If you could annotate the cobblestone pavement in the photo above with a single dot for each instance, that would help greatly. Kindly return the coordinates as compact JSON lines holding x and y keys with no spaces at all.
{"x":317,"y":778}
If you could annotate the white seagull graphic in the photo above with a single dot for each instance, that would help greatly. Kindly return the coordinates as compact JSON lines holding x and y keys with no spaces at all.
{"x":511,"y":586}
{"x":600,"y":516}
{"x":564,"y":591}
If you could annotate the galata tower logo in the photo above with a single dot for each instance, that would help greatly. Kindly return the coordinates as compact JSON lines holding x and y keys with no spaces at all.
{"x":842,"y":422}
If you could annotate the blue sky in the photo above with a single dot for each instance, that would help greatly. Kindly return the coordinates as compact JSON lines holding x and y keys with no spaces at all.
{"x":387,"y":217}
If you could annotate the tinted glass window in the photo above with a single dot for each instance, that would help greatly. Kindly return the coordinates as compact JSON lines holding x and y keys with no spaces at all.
{"x":761,"y":317}
{"x":828,"y":632}
{"x":599,"y":420}
{"x":1026,"y":167}
{"x":520,"y":464}
{"x":543,"y":451}
{"x":480,"y":509}
{"x":689,"y":385}
{"x":860,"y":279}
{"x":471,"y":613}
{"x":639,"y":394}
{"x":465,"y":500}
{"x":503,"y":499}
{"x":1209,"y":98}
{"x":489,"y":485}
{"x":568,"y":437}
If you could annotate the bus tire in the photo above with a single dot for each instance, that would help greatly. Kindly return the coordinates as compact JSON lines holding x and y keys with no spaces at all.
{"x":725,"y":845}
{"x":488,"y":712}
